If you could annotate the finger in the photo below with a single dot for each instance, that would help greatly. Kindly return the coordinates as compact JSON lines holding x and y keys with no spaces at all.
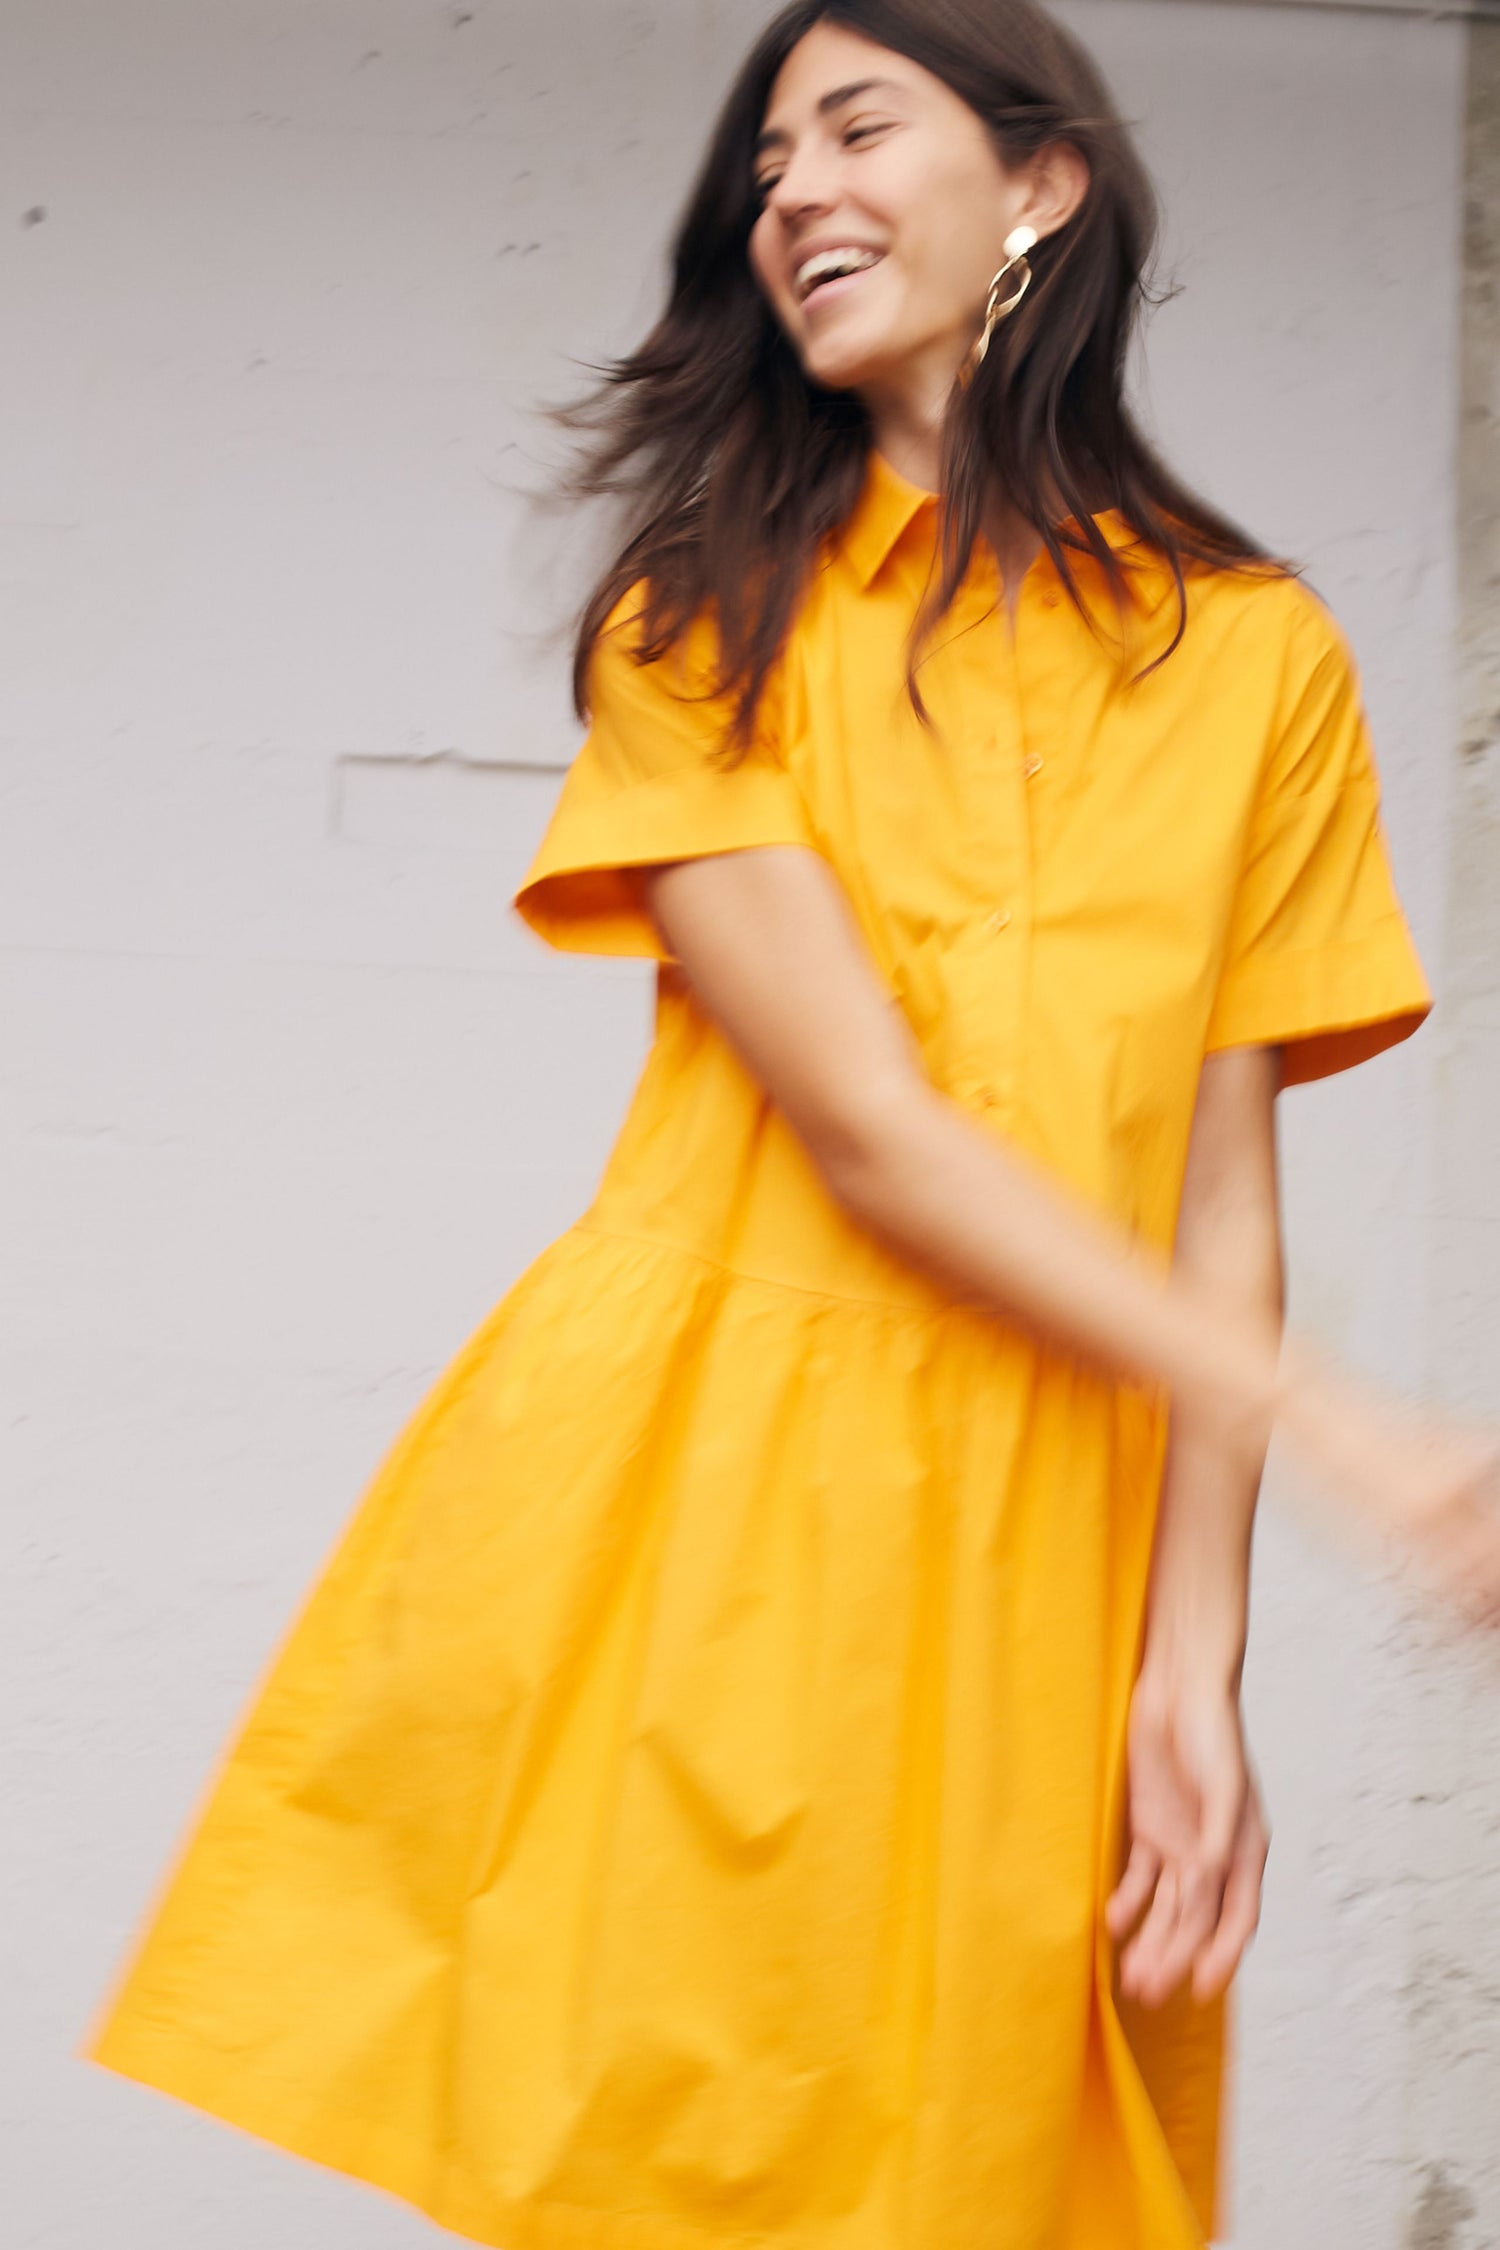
{"x":1132,"y":1894}
{"x":1240,"y":1915}
{"x":1200,"y":1898}
{"x":1141,"y":1962}
{"x":1205,"y":1871}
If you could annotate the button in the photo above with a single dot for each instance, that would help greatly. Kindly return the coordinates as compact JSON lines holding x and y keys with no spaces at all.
{"x":1051,"y":598}
{"x":998,"y":921}
{"x":987,"y":1098}
{"x":1033,"y":765}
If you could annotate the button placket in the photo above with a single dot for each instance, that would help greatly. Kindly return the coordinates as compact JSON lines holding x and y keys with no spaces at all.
{"x":995,"y":958}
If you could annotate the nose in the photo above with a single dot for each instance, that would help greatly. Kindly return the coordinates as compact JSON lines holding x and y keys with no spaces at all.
{"x":804,"y":187}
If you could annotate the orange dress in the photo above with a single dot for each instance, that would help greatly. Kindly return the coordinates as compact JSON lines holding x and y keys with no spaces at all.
{"x":681,"y":1813}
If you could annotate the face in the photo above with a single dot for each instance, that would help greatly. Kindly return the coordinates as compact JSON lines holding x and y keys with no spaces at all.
{"x":864,"y":150}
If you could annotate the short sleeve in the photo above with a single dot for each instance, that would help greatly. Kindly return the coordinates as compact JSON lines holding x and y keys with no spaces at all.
{"x":644,"y":787}
{"x":1319,"y":958}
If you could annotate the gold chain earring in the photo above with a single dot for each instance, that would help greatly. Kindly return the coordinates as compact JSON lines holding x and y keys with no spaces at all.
{"x":1002,"y":302}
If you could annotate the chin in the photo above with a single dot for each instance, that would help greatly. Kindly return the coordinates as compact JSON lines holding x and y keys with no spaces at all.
{"x":837,"y":363}
{"x":841,"y":366}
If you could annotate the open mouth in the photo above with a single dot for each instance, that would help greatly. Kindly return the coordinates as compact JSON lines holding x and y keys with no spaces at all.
{"x":831,"y":273}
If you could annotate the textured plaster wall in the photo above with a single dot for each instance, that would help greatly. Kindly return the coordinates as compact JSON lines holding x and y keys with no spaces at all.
{"x":286,"y":1098}
{"x":1454,"y":1944}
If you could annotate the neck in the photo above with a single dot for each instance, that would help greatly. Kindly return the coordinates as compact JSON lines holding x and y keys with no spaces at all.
{"x":918,"y":457}
{"x":906,"y":420}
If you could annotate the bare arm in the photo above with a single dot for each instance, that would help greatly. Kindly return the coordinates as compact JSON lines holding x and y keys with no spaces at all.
{"x":1229,"y":1245}
{"x":1189,"y":1898}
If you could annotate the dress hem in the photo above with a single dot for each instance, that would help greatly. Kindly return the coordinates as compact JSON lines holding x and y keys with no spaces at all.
{"x":377,"y":2157}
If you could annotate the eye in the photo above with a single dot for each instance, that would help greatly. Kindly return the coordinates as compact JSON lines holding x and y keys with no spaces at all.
{"x":762,"y":187}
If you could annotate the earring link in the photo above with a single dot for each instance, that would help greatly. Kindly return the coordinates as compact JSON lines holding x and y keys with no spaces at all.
{"x":1002,"y":302}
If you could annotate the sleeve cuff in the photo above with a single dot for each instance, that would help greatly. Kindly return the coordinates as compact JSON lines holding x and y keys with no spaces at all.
{"x":1327,"y":1008}
{"x":581,"y":892}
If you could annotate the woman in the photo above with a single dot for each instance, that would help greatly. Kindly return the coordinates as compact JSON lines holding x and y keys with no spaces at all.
{"x":765,"y":1762}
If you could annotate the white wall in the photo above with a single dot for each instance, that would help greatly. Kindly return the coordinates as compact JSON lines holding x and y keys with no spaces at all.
{"x":289,"y":1099}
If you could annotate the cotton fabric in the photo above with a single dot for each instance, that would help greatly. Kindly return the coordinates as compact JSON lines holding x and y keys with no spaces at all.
{"x":682,"y":1812}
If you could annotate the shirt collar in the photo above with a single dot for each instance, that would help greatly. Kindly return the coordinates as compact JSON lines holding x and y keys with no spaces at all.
{"x":888,"y":503}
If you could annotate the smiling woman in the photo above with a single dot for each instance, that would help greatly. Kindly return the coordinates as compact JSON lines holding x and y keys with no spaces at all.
{"x":922,"y":136}
{"x":765,"y":1766}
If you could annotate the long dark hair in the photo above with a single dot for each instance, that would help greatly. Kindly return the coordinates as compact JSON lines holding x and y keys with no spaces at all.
{"x":735,"y":468}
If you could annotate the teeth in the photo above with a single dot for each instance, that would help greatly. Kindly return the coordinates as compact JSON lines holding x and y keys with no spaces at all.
{"x":826,"y":265}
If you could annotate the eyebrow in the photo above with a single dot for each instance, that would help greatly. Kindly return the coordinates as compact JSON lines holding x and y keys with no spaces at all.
{"x":774,"y":138}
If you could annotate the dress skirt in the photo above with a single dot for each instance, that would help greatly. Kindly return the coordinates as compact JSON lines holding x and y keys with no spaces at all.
{"x":681,"y":1813}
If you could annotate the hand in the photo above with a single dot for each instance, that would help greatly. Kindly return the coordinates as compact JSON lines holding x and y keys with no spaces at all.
{"x":1425,"y":1482}
{"x":1198,"y":1840}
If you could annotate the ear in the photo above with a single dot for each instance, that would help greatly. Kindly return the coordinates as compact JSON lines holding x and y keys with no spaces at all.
{"x":1058,"y":179}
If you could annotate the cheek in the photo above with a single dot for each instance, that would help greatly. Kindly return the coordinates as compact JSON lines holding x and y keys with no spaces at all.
{"x":757,"y":260}
{"x":943,"y":233}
